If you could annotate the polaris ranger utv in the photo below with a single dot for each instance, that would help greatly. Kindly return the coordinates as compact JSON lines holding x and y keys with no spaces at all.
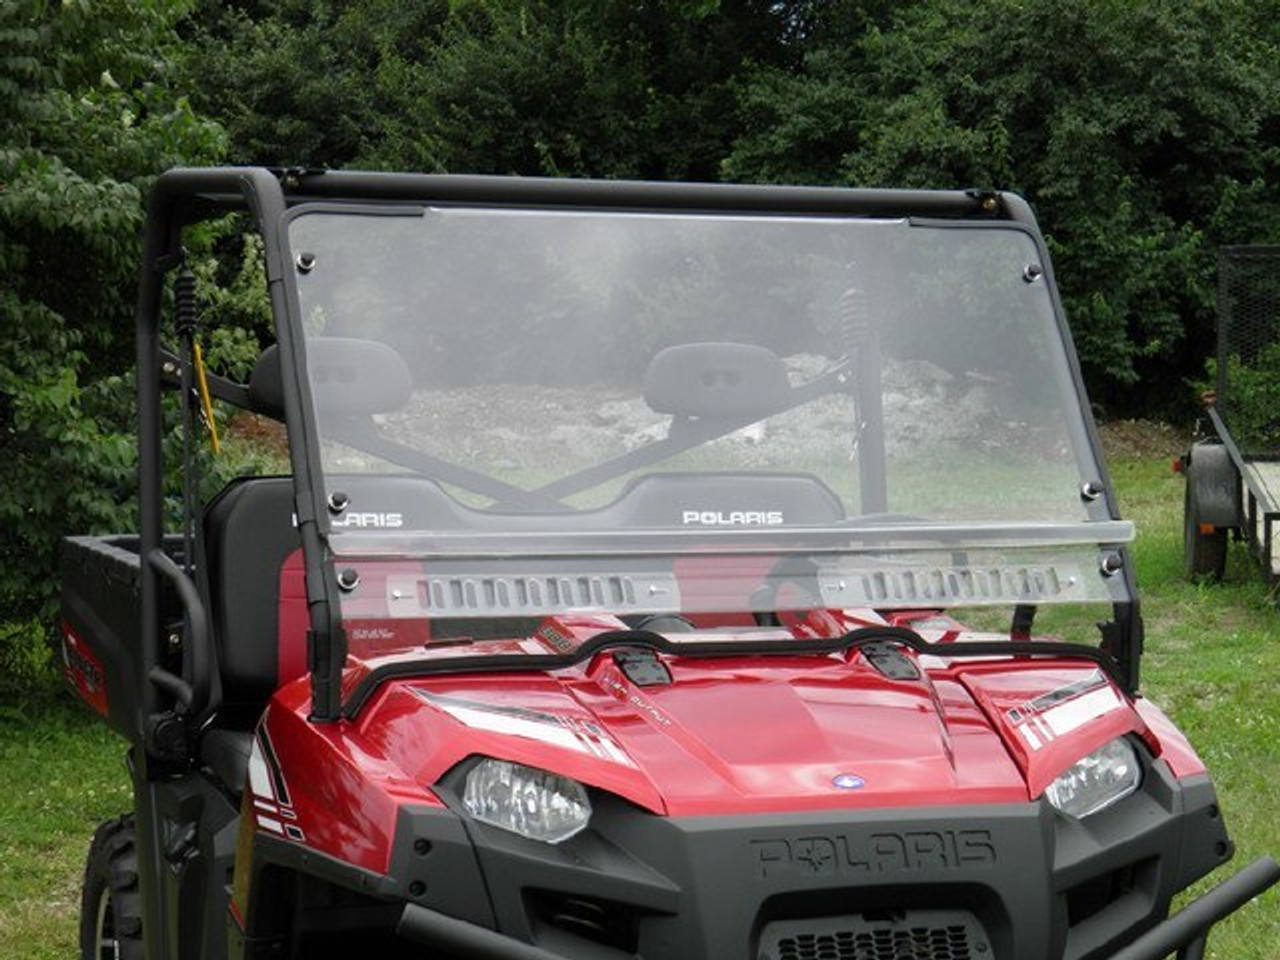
{"x":609,"y":605}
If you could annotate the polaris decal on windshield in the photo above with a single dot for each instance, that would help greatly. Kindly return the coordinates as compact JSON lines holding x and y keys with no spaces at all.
{"x":363,"y":520}
{"x":732,"y":518}
{"x":386,"y":521}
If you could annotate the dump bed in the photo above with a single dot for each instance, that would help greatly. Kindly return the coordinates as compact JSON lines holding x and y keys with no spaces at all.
{"x":101,"y":624}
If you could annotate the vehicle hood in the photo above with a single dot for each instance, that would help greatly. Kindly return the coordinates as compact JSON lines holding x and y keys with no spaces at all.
{"x":759,"y":734}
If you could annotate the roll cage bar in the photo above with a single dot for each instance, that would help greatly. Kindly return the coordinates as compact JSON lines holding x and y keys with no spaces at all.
{"x":183,"y":197}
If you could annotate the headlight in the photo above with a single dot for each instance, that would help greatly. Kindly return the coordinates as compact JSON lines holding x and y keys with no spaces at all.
{"x":533,"y":803}
{"x":1107,"y":775}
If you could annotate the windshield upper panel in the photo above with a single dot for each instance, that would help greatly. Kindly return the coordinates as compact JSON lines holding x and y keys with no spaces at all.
{"x":567,"y":384}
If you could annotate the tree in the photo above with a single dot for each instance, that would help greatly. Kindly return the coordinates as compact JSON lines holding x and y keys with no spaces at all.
{"x":88,"y":114}
{"x":1145,"y":134}
{"x":611,"y":88}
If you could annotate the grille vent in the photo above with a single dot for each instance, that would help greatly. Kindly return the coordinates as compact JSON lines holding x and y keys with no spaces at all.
{"x":913,"y":935}
{"x":448,"y":594}
{"x":959,"y":584}
{"x":945,"y":586}
{"x":451,"y":596}
{"x":918,"y":943}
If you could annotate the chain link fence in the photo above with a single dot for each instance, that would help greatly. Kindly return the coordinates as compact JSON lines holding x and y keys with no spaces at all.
{"x":1248,"y":363}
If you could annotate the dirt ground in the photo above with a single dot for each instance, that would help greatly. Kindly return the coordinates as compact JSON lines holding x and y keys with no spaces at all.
{"x":1142,"y":440}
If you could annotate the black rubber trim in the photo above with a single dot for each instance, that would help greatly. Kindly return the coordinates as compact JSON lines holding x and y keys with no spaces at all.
{"x":306,"y":861}
{"x":647,"y":639}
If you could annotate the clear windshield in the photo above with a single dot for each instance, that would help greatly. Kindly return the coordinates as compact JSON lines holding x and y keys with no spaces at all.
{"x":654,"y":410}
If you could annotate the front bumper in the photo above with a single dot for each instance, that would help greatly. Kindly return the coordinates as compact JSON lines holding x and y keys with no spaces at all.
{"x":1007,"y":882}
{"x":1186,"y":932}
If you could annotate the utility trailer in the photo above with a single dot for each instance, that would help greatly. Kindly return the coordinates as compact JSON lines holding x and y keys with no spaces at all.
{"x":1233,"y":467}
{"x":607,"y":605}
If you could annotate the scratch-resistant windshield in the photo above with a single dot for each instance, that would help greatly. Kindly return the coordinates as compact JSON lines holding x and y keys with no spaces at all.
{"x":523,"y":412}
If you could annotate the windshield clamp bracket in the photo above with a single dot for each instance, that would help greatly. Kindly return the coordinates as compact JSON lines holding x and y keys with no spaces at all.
{"x":643,"y":668}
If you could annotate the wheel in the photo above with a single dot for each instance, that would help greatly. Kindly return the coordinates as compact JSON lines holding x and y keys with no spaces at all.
{"x":110,"y":904}
{"x":1204,"y":554}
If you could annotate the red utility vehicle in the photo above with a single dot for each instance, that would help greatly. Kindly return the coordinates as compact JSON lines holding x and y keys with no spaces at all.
{"x":609,"y":604}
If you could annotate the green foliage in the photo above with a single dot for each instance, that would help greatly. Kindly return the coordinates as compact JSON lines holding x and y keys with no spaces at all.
{"x":88,"y":115}
{"x":1137,"y":129}
{"x":1144,"y":133}
{"x":1252,"y":404}
{"x":26,"y":666}
{"x":606,"y":88}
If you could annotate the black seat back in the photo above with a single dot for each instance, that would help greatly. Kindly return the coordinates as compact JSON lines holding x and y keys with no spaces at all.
{"x":249,"y":533}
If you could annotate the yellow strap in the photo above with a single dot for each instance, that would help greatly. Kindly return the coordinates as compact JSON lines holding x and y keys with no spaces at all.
{"x":205,"y":401}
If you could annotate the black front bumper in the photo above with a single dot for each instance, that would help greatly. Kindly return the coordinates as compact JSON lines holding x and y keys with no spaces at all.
{"x":1185,"y":932}
{"x":1007,"y":882}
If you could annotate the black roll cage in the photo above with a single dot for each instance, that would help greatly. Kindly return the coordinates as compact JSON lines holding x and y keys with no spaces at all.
{"x":183,"y":197}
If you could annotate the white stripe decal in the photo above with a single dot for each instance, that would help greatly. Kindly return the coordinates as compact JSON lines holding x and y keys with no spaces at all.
{"x":1075,"y":713}
{"x":615,"y":753}
{"x":1032,"y":740}
{"x":570,"y":733}
{"x":259,"y":778}
{"x":514,"y":726}
{"x":268,"y":824}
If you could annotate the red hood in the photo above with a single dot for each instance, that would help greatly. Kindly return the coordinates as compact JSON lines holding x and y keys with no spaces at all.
{"x":759,"y":734}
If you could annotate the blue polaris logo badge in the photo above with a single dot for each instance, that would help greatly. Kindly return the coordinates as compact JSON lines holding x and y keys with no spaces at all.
{"x":848,"y":781}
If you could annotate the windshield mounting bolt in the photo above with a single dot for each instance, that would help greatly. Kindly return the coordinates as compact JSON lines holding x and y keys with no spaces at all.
{"x":348,"y":579}
{"x":1032,"y":272}
{"x":306,"y":262}
{"x":1090,"y":490}
{"x":1112,"y":563}
{"x":338,"y":501}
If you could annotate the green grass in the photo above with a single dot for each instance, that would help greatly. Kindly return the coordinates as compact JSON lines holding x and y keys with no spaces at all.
{"x":1212,"y":662}
{"x":61,"y":774}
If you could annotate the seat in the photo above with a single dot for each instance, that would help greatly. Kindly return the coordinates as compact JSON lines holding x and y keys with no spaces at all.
{"x":248,"y":533}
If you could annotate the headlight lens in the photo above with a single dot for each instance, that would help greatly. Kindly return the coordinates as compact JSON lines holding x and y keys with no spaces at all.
{"x":1104,"y":777}
{"x":533,"y":803}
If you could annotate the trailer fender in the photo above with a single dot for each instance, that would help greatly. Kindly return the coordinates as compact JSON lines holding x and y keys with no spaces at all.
{"x":1213,"y":485}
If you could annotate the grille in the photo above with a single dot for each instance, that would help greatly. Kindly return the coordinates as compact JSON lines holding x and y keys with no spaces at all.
{"x":913,"y":935}
{"x":918,"y":943}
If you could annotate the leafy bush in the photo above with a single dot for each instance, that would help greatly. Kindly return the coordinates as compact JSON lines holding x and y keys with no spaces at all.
{"x":27,"y":675}
{"x":1251,"y":406}
{"x":87,"y":117}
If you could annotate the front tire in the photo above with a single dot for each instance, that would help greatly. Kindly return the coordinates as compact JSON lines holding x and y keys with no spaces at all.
{"x":111,"y":904}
